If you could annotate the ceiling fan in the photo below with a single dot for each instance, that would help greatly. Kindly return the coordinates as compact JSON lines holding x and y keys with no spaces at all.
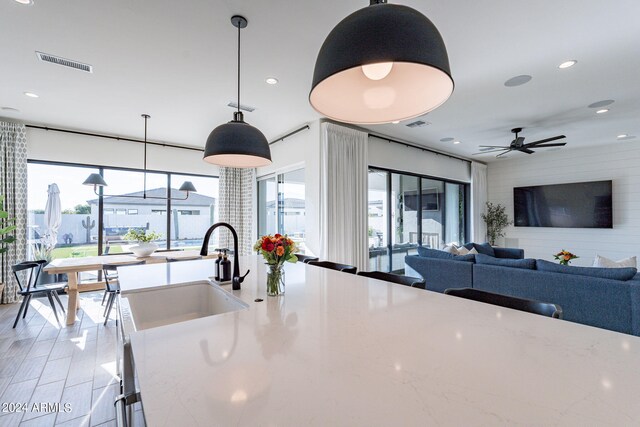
{"x":518,"y":145}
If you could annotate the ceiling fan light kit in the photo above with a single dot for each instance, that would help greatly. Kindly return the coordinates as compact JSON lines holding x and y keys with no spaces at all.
{"x":97,"y":181}
{"x":518,"y":145}
{"x":381,"y":64}
{"x":236,"y":143}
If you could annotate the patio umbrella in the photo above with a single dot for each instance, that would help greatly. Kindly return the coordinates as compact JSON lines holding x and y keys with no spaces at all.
{"x":52,"y":215}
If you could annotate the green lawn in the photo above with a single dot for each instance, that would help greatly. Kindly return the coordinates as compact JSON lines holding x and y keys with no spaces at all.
{"x":82,"y":251}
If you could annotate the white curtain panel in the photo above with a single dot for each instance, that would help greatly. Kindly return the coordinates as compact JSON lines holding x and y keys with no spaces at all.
{"x":478,"y":201}
{"x":343,"y":196}
{"x":13,"y":185}
{"x":235,"y":206}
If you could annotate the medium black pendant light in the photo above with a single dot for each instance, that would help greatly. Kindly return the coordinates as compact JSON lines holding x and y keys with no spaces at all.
{"x":237,"y":144}
{"x":383,"y":63}
{"x":97,"y":180}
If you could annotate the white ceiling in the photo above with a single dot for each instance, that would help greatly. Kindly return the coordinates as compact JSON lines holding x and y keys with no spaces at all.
{"x":176,"y":61}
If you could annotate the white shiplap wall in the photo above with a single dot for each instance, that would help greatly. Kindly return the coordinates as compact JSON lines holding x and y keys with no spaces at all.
{"x":618,"y":161}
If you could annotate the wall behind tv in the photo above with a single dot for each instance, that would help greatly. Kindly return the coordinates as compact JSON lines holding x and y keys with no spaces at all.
{"x":617,"y":161}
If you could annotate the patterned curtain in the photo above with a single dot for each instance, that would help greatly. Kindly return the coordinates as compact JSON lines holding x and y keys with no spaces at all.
{"x":13,"y":185}
{"x":235,"y":206}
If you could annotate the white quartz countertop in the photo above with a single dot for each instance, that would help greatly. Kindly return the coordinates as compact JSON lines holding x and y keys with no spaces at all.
{"x":339,"y":349}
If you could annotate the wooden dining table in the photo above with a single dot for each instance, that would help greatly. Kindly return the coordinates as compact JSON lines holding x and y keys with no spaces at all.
{"x":72,"y":267}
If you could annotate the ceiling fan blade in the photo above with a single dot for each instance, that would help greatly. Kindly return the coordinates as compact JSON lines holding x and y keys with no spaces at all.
{"x":490,"y":151}
{"x":526,"y":150}
{"x":502,"y":154}
{"x":542,"y":141}
{"x":493,"y":146}
{"x":557,"y":144}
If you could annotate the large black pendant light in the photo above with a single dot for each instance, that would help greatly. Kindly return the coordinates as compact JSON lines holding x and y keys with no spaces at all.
{"x":237,"y":144}
{"x":383,"y":63}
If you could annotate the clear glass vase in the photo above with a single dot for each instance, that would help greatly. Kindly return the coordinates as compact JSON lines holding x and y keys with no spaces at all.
{"x":275,"y":280}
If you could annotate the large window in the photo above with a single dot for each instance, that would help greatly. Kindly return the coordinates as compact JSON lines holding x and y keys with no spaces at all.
{"x":281,"y":206}
{"x":406,"y":211}
{"x":93,"y":225}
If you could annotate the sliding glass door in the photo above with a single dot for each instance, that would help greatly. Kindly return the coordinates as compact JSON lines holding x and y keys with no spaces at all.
{"x":406,"y":211}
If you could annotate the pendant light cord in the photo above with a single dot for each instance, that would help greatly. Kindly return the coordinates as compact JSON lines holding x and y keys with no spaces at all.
{"x":239,"y":68}
{"x":144,"y":192}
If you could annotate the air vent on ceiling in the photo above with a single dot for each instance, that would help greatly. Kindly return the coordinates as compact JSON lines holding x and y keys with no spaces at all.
{"x":64,"y":62}
{"x":418,"y":124}
{"x":246,"y":108}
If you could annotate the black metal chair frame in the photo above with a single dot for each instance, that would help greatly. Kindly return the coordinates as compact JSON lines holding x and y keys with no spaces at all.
{"x":306,"y":258}
{"x":111,"y":285}
{"x":413,"y":282}
{"x":521,"y":304}
{"x":51,"y":290}
{"x":345,"y":268}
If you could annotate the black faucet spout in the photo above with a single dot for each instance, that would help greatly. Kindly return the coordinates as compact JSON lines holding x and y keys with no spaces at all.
{"x":237,"y":279}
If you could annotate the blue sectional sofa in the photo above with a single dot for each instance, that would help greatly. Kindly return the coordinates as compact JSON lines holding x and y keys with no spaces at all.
{"x":604,"y":298}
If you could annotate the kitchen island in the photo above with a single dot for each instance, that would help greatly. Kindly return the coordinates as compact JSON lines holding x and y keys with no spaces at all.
{"x":339,"y":349}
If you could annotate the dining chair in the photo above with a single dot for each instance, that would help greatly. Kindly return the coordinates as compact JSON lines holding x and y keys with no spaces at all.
{"x":111,"y":285}
{"x":345,"y":268}
{"x":530,"y":306}
{"x":413,"y":282}
{"x":28,"y":287}
{"x":192,"y":258}
{"x":306,"y":258}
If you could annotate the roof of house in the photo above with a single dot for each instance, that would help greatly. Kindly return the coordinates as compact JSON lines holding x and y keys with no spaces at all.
{"x":135,"y":198}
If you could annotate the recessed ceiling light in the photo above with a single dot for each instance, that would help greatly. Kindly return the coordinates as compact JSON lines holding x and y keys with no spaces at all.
{"x":271,"y":80}
{"x":624,"y":135}
{"x":24,"y":1}
{"x":447,"y":139}
{"x":10,"y":109}
{"x":456,"y":142}
{"x":31,"y":95}
{"x":567,"y":64}
{"x":395,"y":122}
{"x":604,"y":110}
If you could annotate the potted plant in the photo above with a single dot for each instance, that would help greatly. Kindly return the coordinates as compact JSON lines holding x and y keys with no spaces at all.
{"x":497,"y":220}
{"x":145,"y":244}
{"x":7,"y":225}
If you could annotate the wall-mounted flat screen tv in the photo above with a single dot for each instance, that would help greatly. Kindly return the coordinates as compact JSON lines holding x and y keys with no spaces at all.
{"x":577,"y":205}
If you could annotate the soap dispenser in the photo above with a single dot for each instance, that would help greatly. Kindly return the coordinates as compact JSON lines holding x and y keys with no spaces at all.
{"x":225,"y":266}
{"x":218,"y":262}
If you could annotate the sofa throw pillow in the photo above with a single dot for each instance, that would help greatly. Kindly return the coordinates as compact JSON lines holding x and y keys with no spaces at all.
{"x":603,"y":262}
{"x":434,"y":253}
{"x":463,"y":251}
{"x":527,"y":263}
{"x":450,"y":249}
{"x":624,"y":274}
{"x":485,"y":249}
{"x":473,"y":251}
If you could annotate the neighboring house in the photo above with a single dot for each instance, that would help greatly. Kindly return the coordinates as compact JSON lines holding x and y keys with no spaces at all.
{"x":292,"y":215}
{"x":134,"y":204}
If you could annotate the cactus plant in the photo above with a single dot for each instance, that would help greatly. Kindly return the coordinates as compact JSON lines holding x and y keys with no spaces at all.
{"x":88,"y":225}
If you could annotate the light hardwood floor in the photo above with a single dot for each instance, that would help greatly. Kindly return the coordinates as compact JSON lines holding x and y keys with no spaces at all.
{"x":42,"y":361}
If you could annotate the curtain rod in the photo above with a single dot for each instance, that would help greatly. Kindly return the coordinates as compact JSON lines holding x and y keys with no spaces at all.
{"x":386,"y":138}
{"x":282,"y":138}
{"x":118,"y":138}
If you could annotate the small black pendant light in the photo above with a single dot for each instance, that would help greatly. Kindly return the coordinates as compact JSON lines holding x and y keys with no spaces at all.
{"x":96,"y":180}
{"x":236,"y":143}
{"x":382,"y":63}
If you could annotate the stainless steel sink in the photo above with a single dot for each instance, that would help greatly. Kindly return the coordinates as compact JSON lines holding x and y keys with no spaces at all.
{"x":167,"y":305}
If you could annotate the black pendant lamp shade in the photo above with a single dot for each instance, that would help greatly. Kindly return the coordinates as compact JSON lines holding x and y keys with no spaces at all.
{"x":236,"y":143}
{"x":383,"y":63}
{"x":96,"y":180}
